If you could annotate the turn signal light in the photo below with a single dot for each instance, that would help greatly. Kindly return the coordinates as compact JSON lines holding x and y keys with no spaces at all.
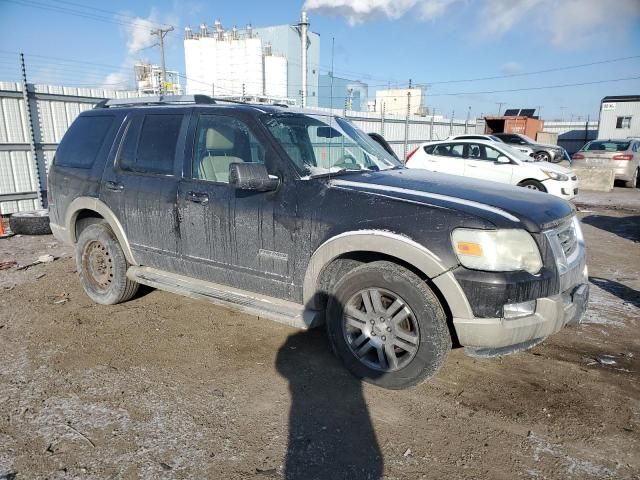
{"x":468,"y":248}
{"x":578,"y":156}
{"x":625,"y":156}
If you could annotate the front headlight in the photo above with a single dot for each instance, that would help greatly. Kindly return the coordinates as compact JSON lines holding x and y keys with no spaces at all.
{"x":555,"y":175}
{"x":496,"y":250}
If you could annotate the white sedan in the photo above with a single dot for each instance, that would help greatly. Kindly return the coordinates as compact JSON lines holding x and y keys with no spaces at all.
{"x":494,"y":161}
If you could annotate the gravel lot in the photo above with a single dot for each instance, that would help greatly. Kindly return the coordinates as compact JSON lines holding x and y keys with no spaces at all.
{"x":169,"y":387}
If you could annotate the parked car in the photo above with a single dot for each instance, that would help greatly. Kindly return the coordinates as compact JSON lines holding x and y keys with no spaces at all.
{"x":494,"y":161}
{"x":302,"y":218}
{"x":491,"y":138}
{"x":541,"y":152}
{"x":621,"y":155}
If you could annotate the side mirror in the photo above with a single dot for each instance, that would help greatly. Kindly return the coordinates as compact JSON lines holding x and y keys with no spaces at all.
{"x":503,"y":159}
{"x":252,"y":176}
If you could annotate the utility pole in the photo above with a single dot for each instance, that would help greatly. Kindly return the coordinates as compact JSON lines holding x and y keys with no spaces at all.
{"x":586,"y":130}
{"x":466,"y":123}
{"x":406,"y":122}
{"x":243,"y":92}
{"x":161,"y":33}
{"x":27,"y":97}
{"x":304,"y":28}
{"x":539,"y":107}
{"x":433,"y":113}
{"x":500,"y":104}
{"x":453,"y":114}
{"x":333,"y":41}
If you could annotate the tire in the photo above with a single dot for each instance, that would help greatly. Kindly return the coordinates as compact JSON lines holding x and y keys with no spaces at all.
{"x":542,"y":157}
{"x":102,"y":266}
{"x":419,"y":339}
{"x":533,"y":185}
{"x":635,"y":181}
{"x":33,"y":222}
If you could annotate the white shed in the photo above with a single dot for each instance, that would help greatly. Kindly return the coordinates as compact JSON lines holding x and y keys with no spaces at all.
{"x":620,"y":117}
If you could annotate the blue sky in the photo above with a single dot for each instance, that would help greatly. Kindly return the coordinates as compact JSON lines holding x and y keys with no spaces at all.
{"x":376,"y":41}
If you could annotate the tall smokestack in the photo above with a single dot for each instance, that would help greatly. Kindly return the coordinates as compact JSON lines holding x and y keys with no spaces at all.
{"x":304,"y":28}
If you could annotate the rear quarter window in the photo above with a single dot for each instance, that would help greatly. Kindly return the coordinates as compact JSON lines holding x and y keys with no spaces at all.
{"x":82,"y":142}
{"x":151,"y":148}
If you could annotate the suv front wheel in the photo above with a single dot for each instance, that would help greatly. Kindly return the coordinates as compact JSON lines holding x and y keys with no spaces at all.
{"x":102,"y":266}
{"x":387,"y":326}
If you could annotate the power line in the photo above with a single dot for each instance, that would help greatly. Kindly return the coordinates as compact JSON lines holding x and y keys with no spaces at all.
{"x":81,"y":14}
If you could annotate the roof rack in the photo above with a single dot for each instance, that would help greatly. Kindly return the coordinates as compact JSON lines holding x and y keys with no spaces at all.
{"x":155,"y":100}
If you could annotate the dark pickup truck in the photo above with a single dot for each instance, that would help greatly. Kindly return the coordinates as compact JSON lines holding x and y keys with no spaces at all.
{"x":300,"y":217}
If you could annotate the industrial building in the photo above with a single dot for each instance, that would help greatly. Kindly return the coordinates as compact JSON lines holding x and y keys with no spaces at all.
{"x":619,"y":117}
{"x":266,"y":63}
{"x":400,"y":101}
{"x":149,"y":80}
{"x":337,"y":92}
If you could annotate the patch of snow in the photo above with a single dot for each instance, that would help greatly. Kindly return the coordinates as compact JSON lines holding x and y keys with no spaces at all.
{"x":574,"y":466}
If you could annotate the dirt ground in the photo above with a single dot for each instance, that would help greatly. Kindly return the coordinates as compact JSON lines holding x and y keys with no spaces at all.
{"x":168,"y":387}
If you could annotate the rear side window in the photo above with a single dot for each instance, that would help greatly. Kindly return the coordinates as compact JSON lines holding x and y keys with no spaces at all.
{"x":151,"y":148}
{"x":83,"y":141}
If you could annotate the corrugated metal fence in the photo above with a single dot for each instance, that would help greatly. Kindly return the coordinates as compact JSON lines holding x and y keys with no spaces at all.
{"x":23,"y":176}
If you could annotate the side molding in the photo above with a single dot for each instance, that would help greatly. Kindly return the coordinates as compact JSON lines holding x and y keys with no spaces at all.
{"x":89,"y":203}
{"x":388,"y":243}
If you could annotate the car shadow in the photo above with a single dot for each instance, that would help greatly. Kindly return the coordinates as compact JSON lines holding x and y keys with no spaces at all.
{"x":625,"y":227}
{"x":618,"y":289}
{"x":330,"y":431}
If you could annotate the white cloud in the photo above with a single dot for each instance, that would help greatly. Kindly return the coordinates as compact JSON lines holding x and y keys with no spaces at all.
{"x":139,"y":39}
{"x":566,"y":23}
{"x":359,"y":11}
{"x":510,"y":68}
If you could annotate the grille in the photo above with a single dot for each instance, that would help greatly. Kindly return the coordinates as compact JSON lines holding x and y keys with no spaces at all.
{"x":568,"y":240}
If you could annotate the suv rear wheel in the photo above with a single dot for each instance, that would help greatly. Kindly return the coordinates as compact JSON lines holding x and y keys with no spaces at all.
{"x":387,"y":326}
{"x":102,"y":266}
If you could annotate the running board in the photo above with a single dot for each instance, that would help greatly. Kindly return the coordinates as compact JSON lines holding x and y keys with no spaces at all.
{"x":282,"y":311}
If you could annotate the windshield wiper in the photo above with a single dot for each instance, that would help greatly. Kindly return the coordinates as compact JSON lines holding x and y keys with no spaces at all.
{"x":339,"y":172}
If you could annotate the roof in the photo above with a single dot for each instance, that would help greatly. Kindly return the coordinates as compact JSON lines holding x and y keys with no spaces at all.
{"x":621,"y":98}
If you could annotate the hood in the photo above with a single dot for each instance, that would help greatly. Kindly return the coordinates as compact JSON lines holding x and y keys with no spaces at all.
{"x":503,"y":205}
{"x":553,"y":167}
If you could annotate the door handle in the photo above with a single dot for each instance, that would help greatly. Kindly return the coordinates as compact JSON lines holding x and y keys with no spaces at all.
{"x":114,"y":186}
{"x":198,"y":197}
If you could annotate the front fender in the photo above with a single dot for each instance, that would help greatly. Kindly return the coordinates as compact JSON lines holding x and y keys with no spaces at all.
{"x":386,"y":243}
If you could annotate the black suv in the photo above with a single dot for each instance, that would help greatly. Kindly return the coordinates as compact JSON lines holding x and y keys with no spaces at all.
{"x":302,"y":218}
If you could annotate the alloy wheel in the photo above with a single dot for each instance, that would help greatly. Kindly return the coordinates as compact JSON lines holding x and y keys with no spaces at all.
{"x":380,"y":329}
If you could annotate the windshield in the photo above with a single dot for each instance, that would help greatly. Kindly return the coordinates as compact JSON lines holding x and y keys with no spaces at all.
{"x":495,"y":139}
{"x":607,"y":146}
{"x":322,"y":144}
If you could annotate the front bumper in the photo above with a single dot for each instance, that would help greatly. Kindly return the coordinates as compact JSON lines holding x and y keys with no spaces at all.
{"x":567,"y":190}
{"x":551,"y":314}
